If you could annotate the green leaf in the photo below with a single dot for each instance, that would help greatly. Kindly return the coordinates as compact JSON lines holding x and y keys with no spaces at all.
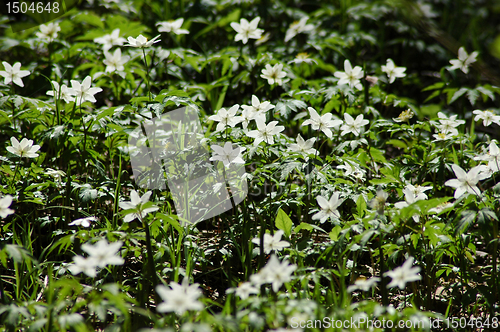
{"x":284,"y":222}
{"x":361,"y":205}
{"x":287,"y":106}
{"x":303,"y":225}
{"x":486,"y":92}
{"x":89,"y":19}
{"x":232,"y":17}
{"x":397,"y":143}
{"x":472,"y":95}
{"x":456,"y":95}
{"x":308,"y":227}
{"x":434,"y":86}
{"x":172,"y":220}
{"x":467,"y":219}
{"x":334,"y":234}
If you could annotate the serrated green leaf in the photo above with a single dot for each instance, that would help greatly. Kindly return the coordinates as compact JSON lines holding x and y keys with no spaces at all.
{"x":467,"y":218}
{"x":472,"y":95}
{"x":456,"y":95}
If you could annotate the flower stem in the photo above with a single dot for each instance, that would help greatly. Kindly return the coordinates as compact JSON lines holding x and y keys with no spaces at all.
{"x":151,"y":265}
{"x":147,"y":74}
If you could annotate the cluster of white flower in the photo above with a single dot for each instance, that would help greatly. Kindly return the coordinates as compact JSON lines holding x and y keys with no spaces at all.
{"x":447,"y":127}
{"x":325,"y":122}
{"x":400,"y":277}
{"x":256,"y":112}
{"x":79,"y":92}
{"x":492,"y":157}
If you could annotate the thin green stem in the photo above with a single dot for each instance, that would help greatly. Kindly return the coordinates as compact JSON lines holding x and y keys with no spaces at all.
{"x":147,"y":74}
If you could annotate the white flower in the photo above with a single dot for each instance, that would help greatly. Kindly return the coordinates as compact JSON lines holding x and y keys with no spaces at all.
{"x":353,"y":170}
{"x":141,"y":41}
{"x":179,"y":298}
{"x":83,"y":91}
{"x":466,"y":182}
{"x":57,"y":175}
{"x":274,"y":272}
{"x":404,"y":116}
{"x":258,"y":107}
{"x":273,"y":74}
{"x":410,"y":198}
{"x":363,"y":284}
{"x":447,"y":126}
{"x":136,"y":203}
{"x":404,"y":274}
{"x":227,"y":154}
{"x":265,"y":133}
{"x":13,"y":73}
{"x":328,"y":208}
{"x":448,"y":123}
{"x":417,"y":191}
{"x":464,"y":60}
{"x":23,"y":149}
{"x":302,"y":58}
{"x":84,"y":222}
{"x":246,"y":30}
{"x":323,"y":123}
{"x":487,"y":116}
{"x":173,"y":26}
{"x":444,"y":136}
{"x":104,"y":253}
{"x":441,"y":207}
{"x":115,"y":61}
{"x":264,"y":38}
{"x":110,"y":40}
{"x":272,"y":242}
{"x":226,"y":118}
{"x":350,"y":76}
{"x":85,"y":265}
{"x":353,"y":126}
{"x":101,"y":254}
{"x":494,"y":157}
{"x":245,"y":289}
{"x":256,"y":110}
{"x":277,"y":273}
{"x":49,"y":31}
{"x":378,"y":202}
{"x":248,"y":114}
{"x":393,"y":71}
{"x":67,"y":94}
{"x":302,"y":146}
{"x":5,"y":203}
{"x":298,"y":27}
